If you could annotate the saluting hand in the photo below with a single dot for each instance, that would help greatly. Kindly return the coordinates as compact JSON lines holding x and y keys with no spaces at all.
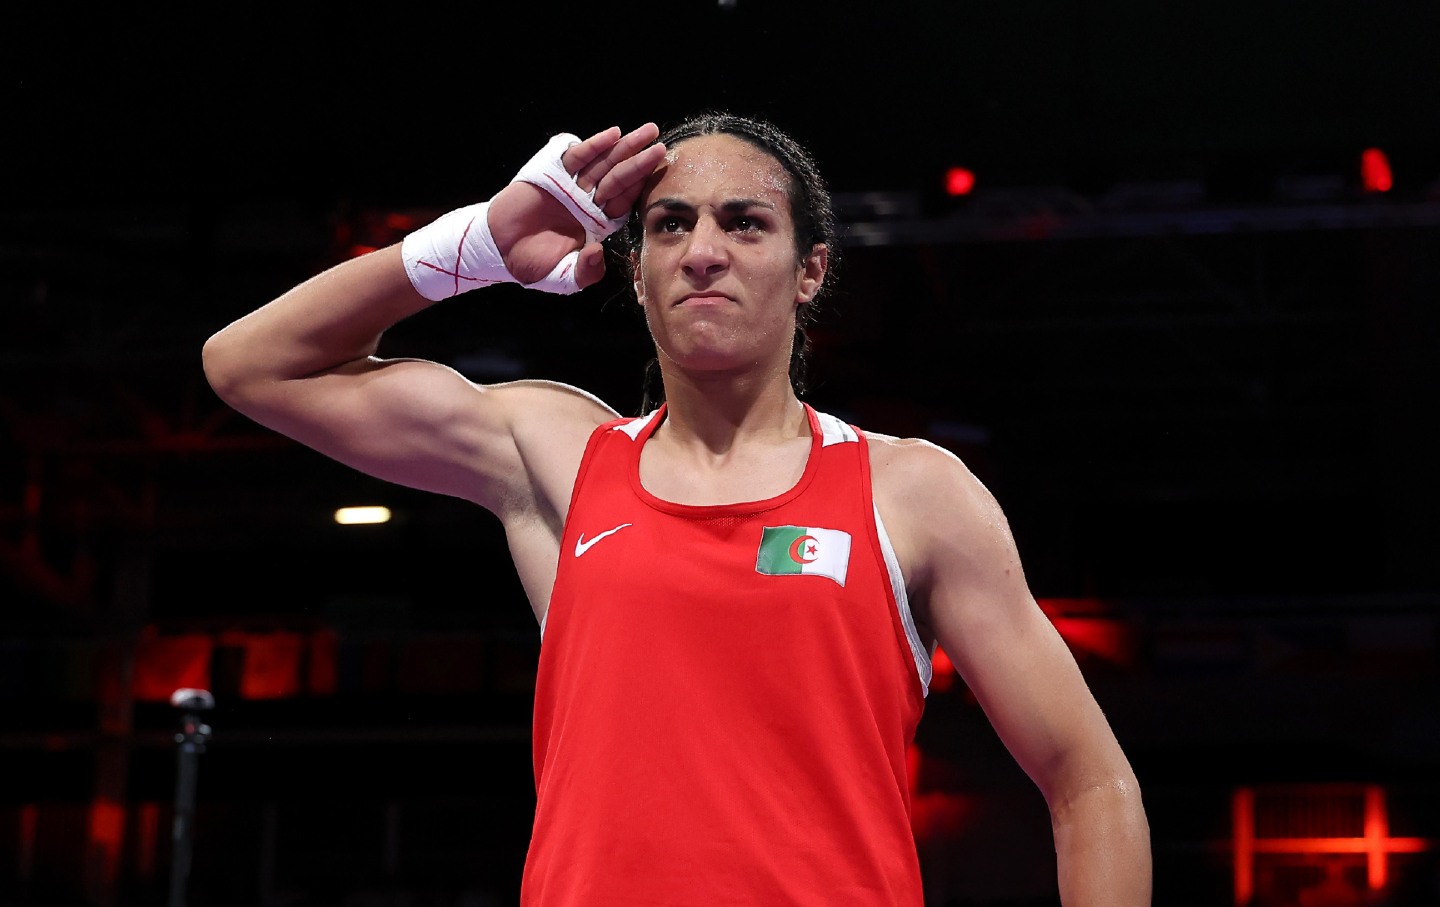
{"x":533,"y":231}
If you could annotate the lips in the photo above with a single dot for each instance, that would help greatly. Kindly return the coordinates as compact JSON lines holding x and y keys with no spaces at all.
{"x":706,"y":298}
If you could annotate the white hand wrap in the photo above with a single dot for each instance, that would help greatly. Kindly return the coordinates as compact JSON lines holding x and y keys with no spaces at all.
{"x":456,"y":252}
{"x":547,"y":170}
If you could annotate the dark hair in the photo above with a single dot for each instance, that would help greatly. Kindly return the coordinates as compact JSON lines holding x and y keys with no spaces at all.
{"x":811,"y":210}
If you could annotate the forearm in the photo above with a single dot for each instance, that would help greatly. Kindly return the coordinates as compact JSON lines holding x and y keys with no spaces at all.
{"x":333,"y":318}
{"x":1102,"y":847}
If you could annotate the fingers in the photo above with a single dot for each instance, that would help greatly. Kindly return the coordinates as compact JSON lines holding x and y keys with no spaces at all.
{"x":591,"y":266}
{"x":591,"y":160}
{"x":577,"y":157}
{"x":618,"y":190}
{"x":634,"y":141}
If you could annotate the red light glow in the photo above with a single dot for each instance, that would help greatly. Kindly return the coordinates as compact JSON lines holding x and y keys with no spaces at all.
{"x":935,"y":815}
{"x":959,"y":181}
{"x":271,"y":662}
{"x":1090,"y":630}
{"x":164,"y":664}
{"x":1374,"y":840}
{"x":942,"y":671}
{"x":1375,"y":173}
{"x":106,"y":833}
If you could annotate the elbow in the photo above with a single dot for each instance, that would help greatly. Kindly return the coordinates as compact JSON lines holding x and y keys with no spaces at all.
{"x":1117,"y":798}
{"x":214,"y":363}
{"x":1125,"y":789}
{"x":223,"y":366}
{"x":1107,"y":782}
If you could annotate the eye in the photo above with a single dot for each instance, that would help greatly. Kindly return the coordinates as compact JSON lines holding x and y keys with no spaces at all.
{"x":668,"y":223}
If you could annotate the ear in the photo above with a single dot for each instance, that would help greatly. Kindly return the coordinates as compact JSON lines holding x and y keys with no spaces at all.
{"x":635,"y":280}
{"x":812,"y":273}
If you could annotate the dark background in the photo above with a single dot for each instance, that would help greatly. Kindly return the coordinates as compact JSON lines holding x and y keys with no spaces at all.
{"x":1191,"y":355}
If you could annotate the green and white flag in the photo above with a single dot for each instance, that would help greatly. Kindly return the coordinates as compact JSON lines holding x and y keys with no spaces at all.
{"x":799,"y":550}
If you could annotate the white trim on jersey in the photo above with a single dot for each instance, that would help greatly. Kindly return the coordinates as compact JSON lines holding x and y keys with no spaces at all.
{"x":833,"y":430}
{"x":633,"y":427}
{"x":923,"y":666}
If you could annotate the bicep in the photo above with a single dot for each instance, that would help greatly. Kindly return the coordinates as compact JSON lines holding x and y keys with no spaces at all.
{"x":424,"y":425}
{"x":414,"y":423}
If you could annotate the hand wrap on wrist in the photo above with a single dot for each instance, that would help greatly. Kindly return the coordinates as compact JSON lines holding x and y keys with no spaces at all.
{"x":456,"y":251}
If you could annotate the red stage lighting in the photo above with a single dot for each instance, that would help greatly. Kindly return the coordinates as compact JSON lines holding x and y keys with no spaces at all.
{"x":959,"y":181}
{"x":1375,"y":173}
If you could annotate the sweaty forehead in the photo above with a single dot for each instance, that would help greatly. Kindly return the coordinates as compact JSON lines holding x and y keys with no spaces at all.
{"x":712,"y":167}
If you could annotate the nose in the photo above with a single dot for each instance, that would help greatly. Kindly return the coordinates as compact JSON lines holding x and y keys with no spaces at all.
{"x":705,"y":252}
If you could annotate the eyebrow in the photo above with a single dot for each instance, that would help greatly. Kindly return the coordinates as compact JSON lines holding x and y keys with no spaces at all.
{"x":734,"y":206}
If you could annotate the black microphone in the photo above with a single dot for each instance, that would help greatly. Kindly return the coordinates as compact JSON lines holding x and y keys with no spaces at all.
{"x":191,"y":739}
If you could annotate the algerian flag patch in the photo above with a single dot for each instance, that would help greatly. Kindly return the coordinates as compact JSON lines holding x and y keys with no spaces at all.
{"x":799,"y":550}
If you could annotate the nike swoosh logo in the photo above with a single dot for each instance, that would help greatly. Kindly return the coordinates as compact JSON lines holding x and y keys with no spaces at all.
{"x":582,"y":546}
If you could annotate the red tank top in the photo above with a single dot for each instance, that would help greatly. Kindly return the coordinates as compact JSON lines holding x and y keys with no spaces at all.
{"x":725,"y":693}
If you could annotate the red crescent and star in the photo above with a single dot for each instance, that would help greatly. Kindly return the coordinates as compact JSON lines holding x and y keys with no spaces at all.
{"x":808,"y":555}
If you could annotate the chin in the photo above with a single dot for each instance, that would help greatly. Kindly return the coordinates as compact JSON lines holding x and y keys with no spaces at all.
{"x":702,"y":357}
{"x":709,"y":361}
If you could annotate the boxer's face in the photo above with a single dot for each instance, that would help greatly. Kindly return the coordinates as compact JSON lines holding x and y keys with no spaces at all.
{"x":717,"y":272}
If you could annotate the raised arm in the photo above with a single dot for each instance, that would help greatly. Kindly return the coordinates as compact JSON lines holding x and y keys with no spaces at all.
{"x":305,"y":364}
{"x":970,"y":591}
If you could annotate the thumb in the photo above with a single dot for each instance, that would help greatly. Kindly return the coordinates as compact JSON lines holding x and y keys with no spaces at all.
{"x":591,"y":266}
